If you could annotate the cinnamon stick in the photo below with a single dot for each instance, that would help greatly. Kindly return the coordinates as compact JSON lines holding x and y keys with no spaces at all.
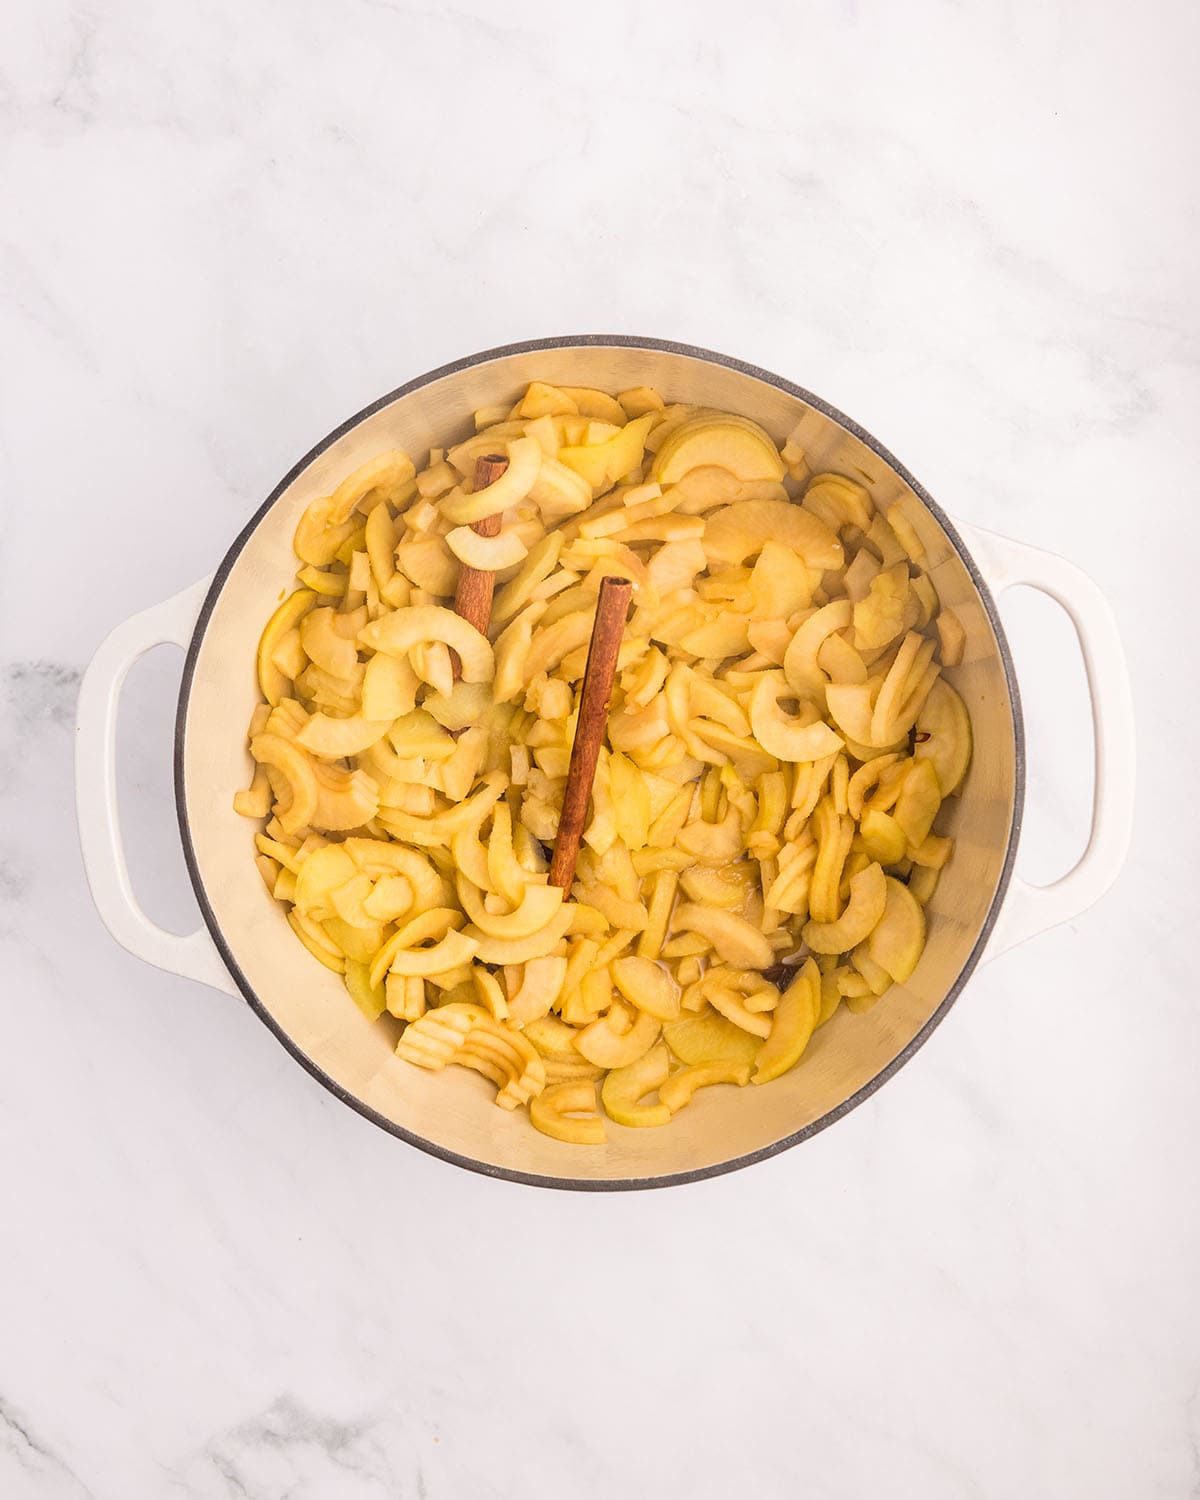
{"x":473,"y":591}
{"x":611,"y":609}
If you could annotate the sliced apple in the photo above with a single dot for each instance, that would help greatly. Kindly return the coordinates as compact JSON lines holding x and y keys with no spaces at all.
{"x":792,"y":1024}
{"x":898,"y":940}
{"x":782,"y":735}
{"x":606,"y":1046}
{"x":524,"y":465}
{"x":486,"y":553}
{"x":736,"y":444}
{"x":625,"y":1086}
{"x":739,"y":531}
{"x":567,"y":1112}
{"x":944,"y":736}
{"x":647,"y":985}
{"x":271,"y":679}
{"x":679,"y":1089}
{"x":336,"y":738}
{"x":710,"y":1038}
{"x":735,"y":939}
{"x":918,"y":803}
{"x":603,"y":463}
{"x":397,"y":633}
{"x":868,"y":896}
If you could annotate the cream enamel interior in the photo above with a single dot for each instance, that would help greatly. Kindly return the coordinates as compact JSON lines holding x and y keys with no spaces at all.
{"x":452,"y":1111}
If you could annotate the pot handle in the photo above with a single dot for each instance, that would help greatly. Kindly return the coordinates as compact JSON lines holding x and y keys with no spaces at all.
{"x":1031,"y":909}
{"x":193,"y":956}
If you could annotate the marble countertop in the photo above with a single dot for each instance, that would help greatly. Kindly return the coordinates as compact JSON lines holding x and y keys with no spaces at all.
{"x":229,"y":226}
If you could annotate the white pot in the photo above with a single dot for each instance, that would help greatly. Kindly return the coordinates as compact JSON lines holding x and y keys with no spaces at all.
{"x":978,"y":910}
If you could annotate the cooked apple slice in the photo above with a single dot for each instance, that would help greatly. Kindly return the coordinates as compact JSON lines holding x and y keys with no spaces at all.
{"x":335,"y":738}
{"x":780,"y":734}
{"x":495,"y":950}
{"x":899,"y":937}
{"x":274,"y":682}
{"x":539,"y":903}
{"x":739,"y":531}
{"x":603,"y":1044}
{"x":345,"y":799}
{"x":596,"y":404}
{"x":567,"y":1112}
{"x":918,"y":802}
{"x":603,"y":463}
{"x":944,"y":736}
{"x":781,"y":582}
{"x":850,"y":708}
{"x":321,"y":873}
{"x":486,"y":553}
{"x":868,"y":896}
{"x":882,"y":837}
{"x":369,"y":998}
{"x":710,"y":1038}
{"x":298,"y":773}
{"x":524,"y":464}
{"x":647,"y":985}
{"x":792,"y":1024}
{"x":736,"y":444}
{"x":623,"y":1087}
{"x":325,"y":644}
{"x":679,"y":1089}
{"x":735,"y":939}
{"x":389,"y":689}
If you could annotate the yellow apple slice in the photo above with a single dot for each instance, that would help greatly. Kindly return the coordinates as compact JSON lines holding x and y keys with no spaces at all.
{"x":596,"y":404}
{"x":800,"y":663}
{"x":332,"y":651}
{"x":448,"y":953}
{"x":897,"y":942}
{"x":679,"y":1089}
{"x":918,"y":803}
{"x":567,"y":1112}
{"x":882,"y":837}
{"x":739,"y":531}
{"x":647,"y":985}
{"x":539,"y":903}
{"x":398,"y":632}
{"x":437,"y":1037}
{"x":781,"y":583}
{"x":792,"y":1024}
{"x":389,"y":689}
{"x":603,"y":1044}
{"x":710,"y":1038}
{"x":944,"y":736}
{"x":559,"y":491}
{"x":541,"y":985}
{"x":623,"y":1087}
{"x":487,"y":553}
{"x":780,"y":734}
{"x":371,"y":1000}
{"x":602,"y":464}
{"x":495,"y":950}
{"x":524,"y":465}
{"x":336,"y":738}
{"x":297,"y":772}
{"x":868,"y":896}
{"x":271,"y":680}
{"x":735,"y":939}
{"x":850,"y":708}
{"x":321,"y":873}
{"x":724,"y":441}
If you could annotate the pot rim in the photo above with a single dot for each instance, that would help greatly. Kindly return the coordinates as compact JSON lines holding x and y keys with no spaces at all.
{"x":472,"y":1164}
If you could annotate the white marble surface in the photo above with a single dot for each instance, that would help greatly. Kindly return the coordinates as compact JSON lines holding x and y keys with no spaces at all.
{"x":228,"y":226}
